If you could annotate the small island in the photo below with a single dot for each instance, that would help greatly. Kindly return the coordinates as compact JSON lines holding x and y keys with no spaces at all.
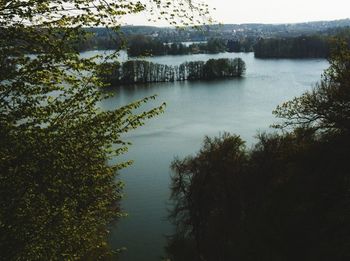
{"x":140,"y":71}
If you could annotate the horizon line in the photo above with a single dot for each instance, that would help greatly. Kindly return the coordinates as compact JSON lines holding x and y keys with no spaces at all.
{"x":245,"y":23}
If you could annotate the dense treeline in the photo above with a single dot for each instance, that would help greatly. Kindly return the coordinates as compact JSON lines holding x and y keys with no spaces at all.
{"x":83,"y":40}
{"x":241,"y":45}
{"x":137,"y":71}
{"x":287,"y":198}
{"x":99,"y":39}
{"x":140,"y":45}
{"x":298,"y":47}
{"x":238,"y":32}
{"x":293,"y":47}
{"x":145,"y":41}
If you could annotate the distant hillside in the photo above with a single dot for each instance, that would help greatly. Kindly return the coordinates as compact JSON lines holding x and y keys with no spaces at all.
{"x":229,"y":31}
{"x":248,"y":33}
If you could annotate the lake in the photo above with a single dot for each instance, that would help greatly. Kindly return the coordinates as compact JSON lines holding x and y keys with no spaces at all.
{"x":194,"y":109}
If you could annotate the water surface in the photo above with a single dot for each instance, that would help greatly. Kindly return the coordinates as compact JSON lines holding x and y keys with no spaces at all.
{"x":194,"y":109}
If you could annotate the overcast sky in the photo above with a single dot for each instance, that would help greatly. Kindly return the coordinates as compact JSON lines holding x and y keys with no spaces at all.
{"x":269,"y":11}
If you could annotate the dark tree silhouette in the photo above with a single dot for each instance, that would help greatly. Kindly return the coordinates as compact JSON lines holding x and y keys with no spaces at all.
{"x":138,"y":71}
{"x":287,"y":198}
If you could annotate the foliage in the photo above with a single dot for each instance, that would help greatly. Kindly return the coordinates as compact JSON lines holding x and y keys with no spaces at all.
{"x":202,"y":186}
{"x":178,"y":49}
{"x":326,"y":107}
{"x":101,"y":38}
{"x":138,"y":71}
{"x":57,"y":192}
{"x":287,"y":198}
{"x":221,"y":68}
{"x":216,"y":45}
{"x":140,"y":45}
{"x":241,"y":45}
{"x":296,"y":47}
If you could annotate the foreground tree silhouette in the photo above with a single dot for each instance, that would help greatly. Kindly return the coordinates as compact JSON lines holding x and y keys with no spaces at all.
{"x":57,"y":193}
{"x":207,"y":197}
{"x":327,"y":107}
{"x":285,"y":199}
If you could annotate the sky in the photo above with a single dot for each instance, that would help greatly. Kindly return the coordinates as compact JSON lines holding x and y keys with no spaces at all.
{"x":267,"y":11}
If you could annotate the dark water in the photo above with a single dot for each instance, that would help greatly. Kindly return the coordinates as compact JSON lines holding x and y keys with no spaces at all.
{"x":194,"y":109}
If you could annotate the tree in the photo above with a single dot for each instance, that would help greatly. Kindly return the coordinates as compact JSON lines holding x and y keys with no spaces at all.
{"x":221,"y":68}
{"x":140,"y":45}
{"x":57,"y":192}
{"x":295,"y":47}
{"x":287,"y":198}
{"x":327,"y":107}
{"x":207,"y":196}
{"x":216,"y":45}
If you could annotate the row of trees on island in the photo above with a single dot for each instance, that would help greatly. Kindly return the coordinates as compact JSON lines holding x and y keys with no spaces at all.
{"x":140,"y":71}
